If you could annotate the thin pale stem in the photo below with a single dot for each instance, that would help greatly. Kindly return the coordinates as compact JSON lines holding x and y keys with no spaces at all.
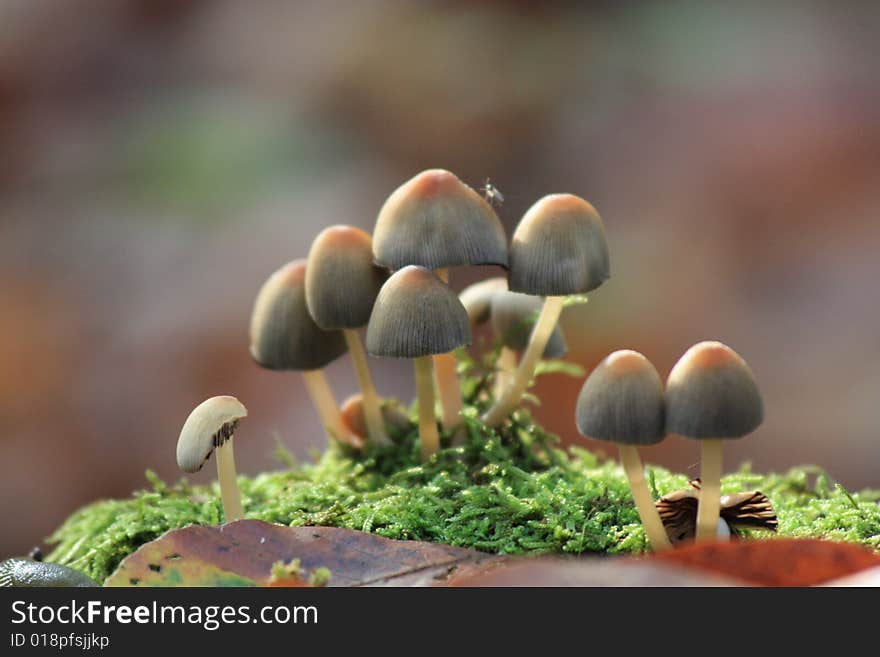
{"x":325,"y":403}
{"x":372,"y":409}
{"x":505,"y":368}
{"x":428,"y":435}
{"x":538,"y":342}
{"x":232,"y":509}
{"x":710,"y":489}
{"x":446,"y":378}
{"x":635,"y":473}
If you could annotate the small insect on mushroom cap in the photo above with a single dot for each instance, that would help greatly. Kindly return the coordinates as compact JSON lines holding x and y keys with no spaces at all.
{"x":434,"y":220}
{"x":477,"y":298}
{"x":416,"y":315}
{"x":210,"y":424}
{"x":712,"y":393}
{"x":559,"y":248}
{"x":342,"y":281}
{"x":622,"y":401}
{"x":491,"y":193}
{"x":514,"y":316}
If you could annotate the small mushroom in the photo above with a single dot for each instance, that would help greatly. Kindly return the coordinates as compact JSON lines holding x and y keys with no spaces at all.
{"x":739,"y":511}
{"x":283,"y":336}
{"x":622,"y":402}
{"x":416,"y":316}
{"x":477,"y":298}
{"x":210,"y":427}
{"x":558,"y":249}
{"x":393,"y":416}
{"x":711,"y":396}
{"x":436,"y":221}
{"x":341,"y":287}
{"x":513,"y":316}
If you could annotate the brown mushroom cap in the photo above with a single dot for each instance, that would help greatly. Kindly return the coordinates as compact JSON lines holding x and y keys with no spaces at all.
{"x":712,"y":393}
{"x":208,"y":426}
{"x":513,"y":317}
{"x":416,"y":314}
{"x":477,"y":298}
{"x":283,"y":334}
{"x":352,"y":411}
{"x":341,"y":280}
{"x":435,"y":221}
{"x":622,"y":401}
{"x":559,"y":248}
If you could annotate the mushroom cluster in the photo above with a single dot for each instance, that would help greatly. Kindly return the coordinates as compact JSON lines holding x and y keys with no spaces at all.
{"x":394,"y":285}
{"x":710,"y":395}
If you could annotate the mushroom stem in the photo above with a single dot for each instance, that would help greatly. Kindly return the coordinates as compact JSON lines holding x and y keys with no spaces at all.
{"x":446,"y":377}
{"x":372,"y":411}
{"x":328,"y":411}
{"x":632,"y":466}
{"x":538,"y":342}
{"x":505,"y":370}
{"x":709,"y":507}
{"x":229,"y":493}
{"x":428,"y":435}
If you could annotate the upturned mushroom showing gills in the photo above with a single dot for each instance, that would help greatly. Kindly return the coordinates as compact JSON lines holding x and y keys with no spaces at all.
{"x":711,"y":395}
{"x":513,"y":316}
{"x":283,"y":336}
{"x":416,"y":316}
{"x":436,"y":221}
{"x":210,"y":428}
{"x":558,"y":249}
{"x":341,"y":287}
{"x":622,"y":402}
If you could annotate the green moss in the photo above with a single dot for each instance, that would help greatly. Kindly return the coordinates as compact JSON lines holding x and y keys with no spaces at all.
{"x":508,"y":492}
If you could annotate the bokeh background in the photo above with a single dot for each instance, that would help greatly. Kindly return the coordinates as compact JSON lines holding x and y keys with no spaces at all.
{"x":160,"y":158}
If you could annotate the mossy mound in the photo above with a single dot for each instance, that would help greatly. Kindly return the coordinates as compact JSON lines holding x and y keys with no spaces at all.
{"x":507,"y":492}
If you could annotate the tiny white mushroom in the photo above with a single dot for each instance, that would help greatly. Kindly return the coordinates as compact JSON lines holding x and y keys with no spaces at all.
{"x":211,"y":426}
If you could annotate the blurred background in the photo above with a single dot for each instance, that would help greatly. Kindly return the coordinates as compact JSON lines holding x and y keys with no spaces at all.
{"x":160,"y":158}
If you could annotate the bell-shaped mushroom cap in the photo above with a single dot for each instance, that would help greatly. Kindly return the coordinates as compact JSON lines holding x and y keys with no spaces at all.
{"x":622,"y":401}
{"x":416,"y":315}
{"x":341,"y":280}
{"x":559,"y":248}
{"x":712,"y":393}
{"x":208,"y":426}
{"x":283,"y":334}
{"x":435,"y":221}
{"x":513,"y":318}
{"x":477,"y":298}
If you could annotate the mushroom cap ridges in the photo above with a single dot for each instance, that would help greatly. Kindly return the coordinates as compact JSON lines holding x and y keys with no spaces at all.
{"x":342,"y":281}
{"x":559,"y":248}
{"x":434,"y":220}
{"x":416,"y":314}
{"x":477,"y":298}
{"x":513,"y":318}
{"x":208,"y":426}
{"x":283,"y":336}
{"x":712,"y":393}
{"x":622,"y":401}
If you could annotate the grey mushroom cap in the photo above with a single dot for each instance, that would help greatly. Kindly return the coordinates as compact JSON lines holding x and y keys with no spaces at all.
{"x":712,"y":393}
{"x":283,"y":335}
{"x":417,"y":315}
{"x":342,"y":282}
{"x":559,"y":248}
{"x":514,"y":316}
{"x":26,"y":573}
{"x":435,"y":221}
{"x":622,"y":401}
{"x":477,"y":298}
{"x":210,"y":425}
